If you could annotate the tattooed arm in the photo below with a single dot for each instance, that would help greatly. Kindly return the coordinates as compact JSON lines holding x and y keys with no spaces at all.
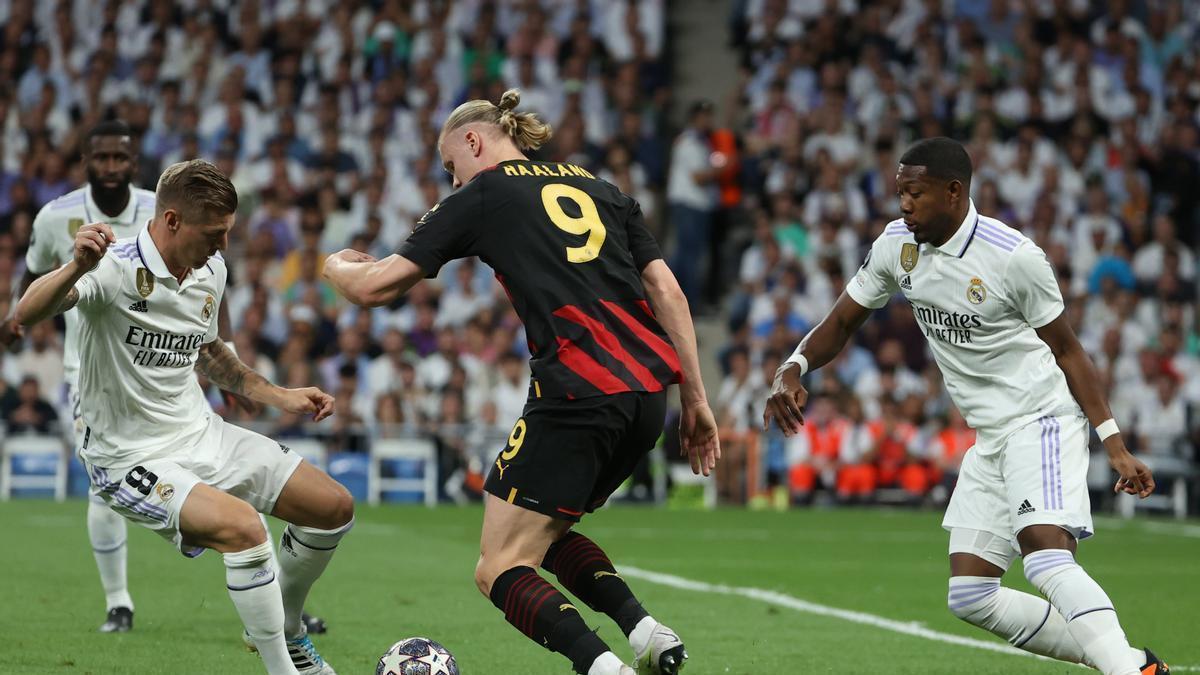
{"x":225,"y":370}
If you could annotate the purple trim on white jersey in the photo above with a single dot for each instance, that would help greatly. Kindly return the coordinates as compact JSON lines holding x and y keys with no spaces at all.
{"x":995,"y":242}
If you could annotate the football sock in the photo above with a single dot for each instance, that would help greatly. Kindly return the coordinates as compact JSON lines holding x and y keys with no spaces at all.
{"x":587,"y":573}
{"x":107,"y":532}
{"x":544,"y":615}
{"x":1090,"y":616}
{"x":304,"y":553}
{"x":255,"y":594}
{"x":1025,"y":620}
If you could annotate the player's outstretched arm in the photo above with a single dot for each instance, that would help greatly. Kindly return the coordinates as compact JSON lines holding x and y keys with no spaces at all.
{"x":698,"y":437}
{"x":1136,"y":478}
{"x":368,"y":282}
{"x":55,"y":292}
{"x":788,"y":396}
{"x":226,"y":371}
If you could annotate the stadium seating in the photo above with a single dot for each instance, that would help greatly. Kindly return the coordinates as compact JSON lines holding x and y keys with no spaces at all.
{"x":33,"y":463}
{"x":414,"y":458}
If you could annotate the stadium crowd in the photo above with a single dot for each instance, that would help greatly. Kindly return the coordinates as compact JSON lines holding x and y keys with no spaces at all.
{"x":1083,"y":127}
{"x":326,"y":115}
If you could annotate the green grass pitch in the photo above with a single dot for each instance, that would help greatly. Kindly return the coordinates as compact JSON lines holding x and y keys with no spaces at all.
{"x":407,"y":571}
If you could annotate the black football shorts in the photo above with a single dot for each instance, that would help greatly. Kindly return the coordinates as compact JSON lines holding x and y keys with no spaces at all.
{"x":565,"y":457}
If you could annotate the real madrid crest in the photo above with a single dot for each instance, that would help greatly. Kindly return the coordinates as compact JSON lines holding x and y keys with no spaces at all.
{"x":908,"y":257}
{"x":165,"y":491}
{"x":976,"y":293}
{"x":207,"y":312}
{"x":73,"y":225}
{"x":145,"y":282}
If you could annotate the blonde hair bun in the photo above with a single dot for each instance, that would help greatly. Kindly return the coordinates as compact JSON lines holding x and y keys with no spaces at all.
{"x":509,"y":100}
{"x":524,"y":129}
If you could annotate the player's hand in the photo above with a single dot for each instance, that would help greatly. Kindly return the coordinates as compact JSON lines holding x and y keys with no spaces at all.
{"x":10,"y":332}
{"x":91,"y":241}
{"x":306,"y":401}
{"x":786,"y":402}
{"x":698,"y":438}
{"x":1136,"y":478}
{"x":351,"y":256}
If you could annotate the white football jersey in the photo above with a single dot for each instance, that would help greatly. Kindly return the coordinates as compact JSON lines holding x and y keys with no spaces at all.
{"x":978,"y":299}
{"x":139,"y":332}
{"x":53,"y":244}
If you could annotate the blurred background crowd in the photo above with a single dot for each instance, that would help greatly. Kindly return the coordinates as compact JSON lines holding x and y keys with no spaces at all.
{"x":1083,"y":121}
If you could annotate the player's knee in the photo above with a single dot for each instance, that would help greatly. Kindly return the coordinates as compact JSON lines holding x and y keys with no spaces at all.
{"x":970,"y":598}
{"x":341,"y":510}
{"x":332,"y":510}
{"x":241,"y":531}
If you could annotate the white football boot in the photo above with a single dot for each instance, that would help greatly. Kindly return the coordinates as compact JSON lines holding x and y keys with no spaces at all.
{"x":661,"y":654}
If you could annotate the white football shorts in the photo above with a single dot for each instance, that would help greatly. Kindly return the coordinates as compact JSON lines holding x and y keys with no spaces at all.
{"x":234,"y":460}
{"x":1038,"y":477}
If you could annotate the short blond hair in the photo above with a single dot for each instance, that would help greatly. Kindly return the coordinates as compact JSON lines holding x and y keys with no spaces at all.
{"x":523,"y":128}
{"x":197,"y":190}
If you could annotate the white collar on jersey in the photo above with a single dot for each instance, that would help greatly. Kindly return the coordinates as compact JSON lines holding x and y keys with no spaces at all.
{"x":957,"y":245}
{"x":154,"y":262}
{"x":126,"y":217}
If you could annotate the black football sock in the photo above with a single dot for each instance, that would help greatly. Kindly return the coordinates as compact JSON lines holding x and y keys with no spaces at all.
{"x":540,"y":611}
{"x":584,"y":570}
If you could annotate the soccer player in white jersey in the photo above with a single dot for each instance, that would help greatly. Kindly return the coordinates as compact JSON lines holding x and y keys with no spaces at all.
{"x":989,"y":304}
{"x":154,"y":451}
{"x":110,"y":160}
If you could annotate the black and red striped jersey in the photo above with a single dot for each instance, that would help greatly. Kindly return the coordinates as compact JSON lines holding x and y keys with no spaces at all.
{"x":569,"y":249}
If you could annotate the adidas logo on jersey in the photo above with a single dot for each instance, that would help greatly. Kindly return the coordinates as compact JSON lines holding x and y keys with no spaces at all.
{"x":1025,"y":507}
{"x":140,"y":306}
{"x":906,"y":282}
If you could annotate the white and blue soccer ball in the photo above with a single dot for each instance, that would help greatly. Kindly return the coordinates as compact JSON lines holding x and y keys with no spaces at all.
{"x":417,"y":656}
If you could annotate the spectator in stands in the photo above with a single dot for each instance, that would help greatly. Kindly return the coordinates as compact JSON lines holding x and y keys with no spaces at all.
{"x":30,"y":412}
{"x":1161,"y":418}
{"x":813,"y":458}
{"x":692,"y":198}
{"x":43,"y":360}
{"x":954,"y":438}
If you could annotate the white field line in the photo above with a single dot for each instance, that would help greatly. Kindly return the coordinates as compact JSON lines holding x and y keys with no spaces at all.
{"x":1153,"y":527}
{"x":912,"y":628}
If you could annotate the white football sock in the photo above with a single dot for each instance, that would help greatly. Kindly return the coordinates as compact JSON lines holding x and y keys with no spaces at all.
{"x":255,"y":593}
{"x":639,"y":637}
{"x":1025,"y":620}
{"x":606,"y":664}
{"x":304,"y":552}
{"x":107,"y":531}
{"x":1090,"y":616}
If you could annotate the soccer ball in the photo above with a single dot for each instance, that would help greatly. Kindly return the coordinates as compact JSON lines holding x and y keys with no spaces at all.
{"x":416,"y":656}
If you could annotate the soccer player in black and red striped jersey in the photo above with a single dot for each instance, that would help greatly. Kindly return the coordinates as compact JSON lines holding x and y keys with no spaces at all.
{"x":609,"y":330}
